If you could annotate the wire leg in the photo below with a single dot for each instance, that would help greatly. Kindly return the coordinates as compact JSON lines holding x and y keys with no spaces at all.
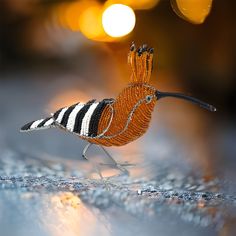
{"x":97,"y":169}
{"x":116,"y":165}
{"x":85,"y":150}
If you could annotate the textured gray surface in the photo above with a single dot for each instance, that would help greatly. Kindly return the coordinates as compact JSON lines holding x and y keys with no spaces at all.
{"x":37,"y":196}
{"x":47,"y":189}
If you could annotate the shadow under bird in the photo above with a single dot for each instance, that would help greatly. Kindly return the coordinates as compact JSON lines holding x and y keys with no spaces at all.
{"x":115,"y":122}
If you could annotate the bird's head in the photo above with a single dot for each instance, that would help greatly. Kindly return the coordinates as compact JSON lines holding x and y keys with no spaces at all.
{"x":141,"y":64}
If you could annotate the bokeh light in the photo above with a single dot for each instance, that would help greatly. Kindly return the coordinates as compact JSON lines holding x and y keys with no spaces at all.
{"x":118,"y":20}
{"x":96,"y":21}
{"x":68,"y":13}
{"x":72,"y":13}
{"x":194,"y":11}
{"x":136,"y":4}
{"x":90,"y":22}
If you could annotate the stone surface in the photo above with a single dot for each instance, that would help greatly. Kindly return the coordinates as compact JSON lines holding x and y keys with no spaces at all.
{"x":38,"y":195}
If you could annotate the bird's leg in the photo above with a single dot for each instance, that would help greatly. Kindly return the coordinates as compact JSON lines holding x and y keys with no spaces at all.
{"x":86,"y":158}
{"x":115,"y":164}
{"x":85,"y":150}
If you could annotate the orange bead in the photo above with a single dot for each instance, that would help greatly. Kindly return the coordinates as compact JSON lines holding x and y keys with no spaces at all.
{"x":131,"y":113}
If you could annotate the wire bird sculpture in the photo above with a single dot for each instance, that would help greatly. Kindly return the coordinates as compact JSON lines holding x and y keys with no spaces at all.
{"x":115,"y":122}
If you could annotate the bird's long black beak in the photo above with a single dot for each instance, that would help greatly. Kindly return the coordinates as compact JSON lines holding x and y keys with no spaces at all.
{"x":188,"y":98}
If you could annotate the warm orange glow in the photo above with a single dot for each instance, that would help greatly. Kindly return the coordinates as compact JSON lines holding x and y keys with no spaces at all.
{"x":90,"y":23}
{"x":70,"y":217}
{"x":68,"y":14}
{"x":195,"y":11}
{"x":69,"y":199}
{"x":66,"y":98}
{"x":118,"y":20}
{"x":59,"y":14}
{"x":72,"y":13}
{"x":95,"y":23}
{"x":136,"y":4}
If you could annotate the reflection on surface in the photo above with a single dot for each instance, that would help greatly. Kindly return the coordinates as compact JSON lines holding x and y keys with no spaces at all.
{"x":72,"y":217}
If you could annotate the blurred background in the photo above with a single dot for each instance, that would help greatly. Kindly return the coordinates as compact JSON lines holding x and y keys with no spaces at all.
{"x":54,"y":53}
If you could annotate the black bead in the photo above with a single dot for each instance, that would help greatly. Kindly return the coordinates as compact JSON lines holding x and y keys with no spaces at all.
{"x":140,"y":51}
{"x":132,"y":47}
{"x":151,"y":50}
{"x":145,"y":47}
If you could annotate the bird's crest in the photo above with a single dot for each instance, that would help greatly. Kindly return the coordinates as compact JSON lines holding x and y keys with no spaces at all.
{"x":141,"y":63}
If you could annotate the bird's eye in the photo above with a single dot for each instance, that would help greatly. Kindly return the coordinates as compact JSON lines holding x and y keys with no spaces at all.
{"x":148,"y":98}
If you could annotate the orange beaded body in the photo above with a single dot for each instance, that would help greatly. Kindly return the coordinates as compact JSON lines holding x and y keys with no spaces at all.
{"x":128,"y":117}
{"x":111,"y":122}
{"x":115,"y":122}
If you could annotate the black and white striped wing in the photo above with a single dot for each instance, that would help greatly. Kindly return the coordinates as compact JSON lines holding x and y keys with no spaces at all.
{"x":38,"y":124}
{"x":82,"y":119}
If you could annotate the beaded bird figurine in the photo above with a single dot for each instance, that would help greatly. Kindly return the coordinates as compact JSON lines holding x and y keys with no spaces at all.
{"x":115,"y":122}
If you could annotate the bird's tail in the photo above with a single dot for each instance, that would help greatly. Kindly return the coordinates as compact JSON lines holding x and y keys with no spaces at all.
{"x":38,"y":124}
